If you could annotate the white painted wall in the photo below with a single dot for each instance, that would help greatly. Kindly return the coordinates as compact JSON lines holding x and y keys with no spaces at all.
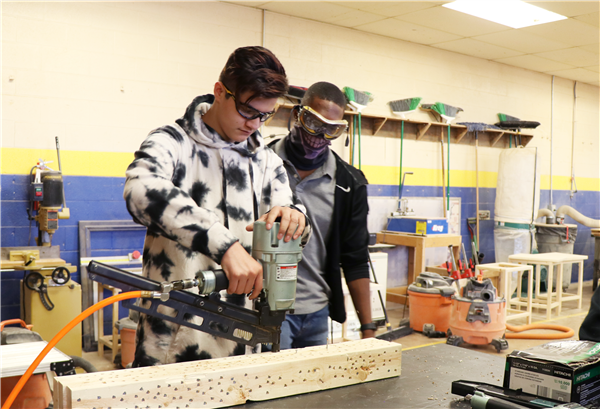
{"x":101,"y":75}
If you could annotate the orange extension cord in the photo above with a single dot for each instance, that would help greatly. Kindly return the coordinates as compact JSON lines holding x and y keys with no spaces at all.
{"x":565,"y":332}
{"x":119,"y":297}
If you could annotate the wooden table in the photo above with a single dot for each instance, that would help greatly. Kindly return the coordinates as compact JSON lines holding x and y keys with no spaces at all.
{"x":552,"y":299}
{"x":416,"y":255}
{"x":425,"y":382}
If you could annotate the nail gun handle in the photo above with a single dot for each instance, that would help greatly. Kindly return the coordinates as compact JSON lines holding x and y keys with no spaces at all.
{"x":210,"y":281}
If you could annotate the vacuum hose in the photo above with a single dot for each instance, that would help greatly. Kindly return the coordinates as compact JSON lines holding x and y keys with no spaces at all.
{"x":565,"y":332}
{"x":108,"y":301}
{"x":578,"y":217}
{"x":544,"y":213}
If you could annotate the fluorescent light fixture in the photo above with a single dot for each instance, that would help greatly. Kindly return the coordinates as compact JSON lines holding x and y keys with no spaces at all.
{"x":511,"y":13}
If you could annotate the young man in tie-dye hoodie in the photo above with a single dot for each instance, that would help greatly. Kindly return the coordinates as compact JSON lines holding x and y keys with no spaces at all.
{"x":198,"y":185}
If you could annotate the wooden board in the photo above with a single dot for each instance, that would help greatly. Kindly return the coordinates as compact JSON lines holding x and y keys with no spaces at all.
{"x":542,"y":258}
{"x":224,"y":382}
{"x":44,"y":262}
{"x":16,"y":358}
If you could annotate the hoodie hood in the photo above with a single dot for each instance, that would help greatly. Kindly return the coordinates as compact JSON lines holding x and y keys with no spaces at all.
{"x":193,"y":125}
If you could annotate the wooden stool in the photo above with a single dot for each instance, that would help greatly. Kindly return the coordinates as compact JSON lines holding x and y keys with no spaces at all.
{"x":552,"y":299}
{"x":504,"y":273}
{"x":110,"y":341}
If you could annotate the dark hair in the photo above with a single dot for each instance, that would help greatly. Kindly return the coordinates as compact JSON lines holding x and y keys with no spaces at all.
{"x":254,"y":69}
{"x":326,"y":91}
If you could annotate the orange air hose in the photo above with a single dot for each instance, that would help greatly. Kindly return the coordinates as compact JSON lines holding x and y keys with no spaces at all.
{"x":565,"y":332}
{"x":119,"y":297}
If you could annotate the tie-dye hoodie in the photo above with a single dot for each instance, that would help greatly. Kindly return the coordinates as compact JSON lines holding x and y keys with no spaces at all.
{"x":196,"y":193}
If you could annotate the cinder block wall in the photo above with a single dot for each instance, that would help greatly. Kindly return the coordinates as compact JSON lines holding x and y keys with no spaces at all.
{"x":102,"y":75}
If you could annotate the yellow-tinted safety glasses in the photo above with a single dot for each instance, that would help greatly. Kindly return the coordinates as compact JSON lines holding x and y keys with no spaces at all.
{"x":315,"y":124}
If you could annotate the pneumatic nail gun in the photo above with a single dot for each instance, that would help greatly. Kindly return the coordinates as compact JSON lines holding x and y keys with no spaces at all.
{"x":249,"y":327}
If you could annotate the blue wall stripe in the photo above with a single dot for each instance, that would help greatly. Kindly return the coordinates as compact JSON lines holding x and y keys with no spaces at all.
{"x":100,"y":198}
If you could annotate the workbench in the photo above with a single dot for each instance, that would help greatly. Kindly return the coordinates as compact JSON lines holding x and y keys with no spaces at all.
{"x":427,"y":375}
{"x":416,"y":255}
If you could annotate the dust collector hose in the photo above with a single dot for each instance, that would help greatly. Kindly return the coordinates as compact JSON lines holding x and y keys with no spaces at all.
{"x":565,"y":332}
{"x":108,"y":301}
{"x":578,"y":217}
{"x":544,"y":213}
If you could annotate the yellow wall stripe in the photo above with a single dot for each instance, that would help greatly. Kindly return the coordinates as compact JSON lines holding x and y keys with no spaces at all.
{"x":18,"y":161}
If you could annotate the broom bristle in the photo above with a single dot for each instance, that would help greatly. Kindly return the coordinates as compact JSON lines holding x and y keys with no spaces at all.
{"x":404,"y":105}
{"x":362,"y":98}
{"x":504,"y":117}
{"x":359,"y":97}
{"x":445,"y":109}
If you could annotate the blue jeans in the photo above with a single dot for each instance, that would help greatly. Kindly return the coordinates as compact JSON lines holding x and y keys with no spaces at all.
{"x":305,"y":330}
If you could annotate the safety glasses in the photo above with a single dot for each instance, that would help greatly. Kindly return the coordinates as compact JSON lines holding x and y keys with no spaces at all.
{"x":246,"y":111}
{"x":315,"y":123}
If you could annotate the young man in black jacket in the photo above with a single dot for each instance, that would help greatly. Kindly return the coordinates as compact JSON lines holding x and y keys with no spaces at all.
{"x":335,"y":195}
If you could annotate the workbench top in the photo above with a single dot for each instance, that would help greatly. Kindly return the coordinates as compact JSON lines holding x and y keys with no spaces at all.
{"x":427,"y":375}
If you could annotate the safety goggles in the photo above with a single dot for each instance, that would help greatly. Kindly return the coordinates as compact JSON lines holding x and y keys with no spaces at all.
{"x":246,"y":111}
{"x":316,"y":124}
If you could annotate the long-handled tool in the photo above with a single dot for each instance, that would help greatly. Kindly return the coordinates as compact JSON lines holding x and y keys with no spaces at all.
{"x":64,"y":213}
{"x":469,"y":268}
{"x":477,"y":185}
{"x":443,"y":176}
{"x":388,"y":326}
{"x":391,"y":334}
{"x":357,"y":100}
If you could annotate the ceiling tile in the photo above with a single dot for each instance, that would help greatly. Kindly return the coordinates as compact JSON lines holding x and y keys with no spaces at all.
{"x":577,"y":74}
{"x":476,"y":48}
{"x":572,"y":32}
{"x":572,"y":56}
{"x":592,"y":18}
{"x":593,"y":48}
{"x":248,"y":3}
{"x":534,"y":63}
{"x":568,"y":8}
{"x":390,"y":8}
{"x":354,"y":18}
{"x":317,"y":11}
{"x":407,"y":31}
{"x":452,"y":21}
{"x":521,"y":41}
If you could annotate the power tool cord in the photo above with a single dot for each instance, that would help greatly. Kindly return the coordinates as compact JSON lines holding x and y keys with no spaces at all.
{"x":565,"y":332}
{"x":108,"y":301}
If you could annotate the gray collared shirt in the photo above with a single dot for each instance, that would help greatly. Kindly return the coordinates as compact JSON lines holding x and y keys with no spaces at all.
{"x":316,"y":192}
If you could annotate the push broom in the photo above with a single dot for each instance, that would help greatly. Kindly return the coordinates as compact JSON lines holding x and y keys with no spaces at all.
{"x":403,"y":107}
{"x":357,"y":101}
{"x":446,"y":114}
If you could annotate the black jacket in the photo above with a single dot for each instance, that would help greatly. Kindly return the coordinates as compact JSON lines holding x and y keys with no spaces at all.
{"x":590,"y":327}
{"x":349,"y":238}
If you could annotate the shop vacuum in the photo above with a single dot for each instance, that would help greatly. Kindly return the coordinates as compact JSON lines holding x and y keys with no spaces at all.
{"x":478,"y":316}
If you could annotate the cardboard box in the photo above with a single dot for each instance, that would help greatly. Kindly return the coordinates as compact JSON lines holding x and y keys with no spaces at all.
{"x":567,"y":371}
{"x":418,"y":225}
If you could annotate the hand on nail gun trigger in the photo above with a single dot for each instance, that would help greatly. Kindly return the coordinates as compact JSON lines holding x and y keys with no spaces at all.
{"x":244,"y":273}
